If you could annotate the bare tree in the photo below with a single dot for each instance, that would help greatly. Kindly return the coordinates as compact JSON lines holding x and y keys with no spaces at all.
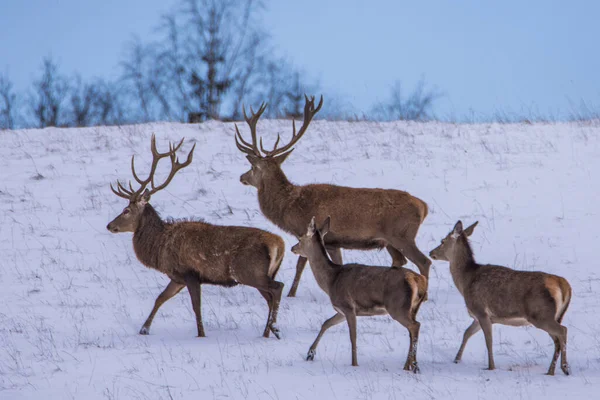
{"x":83,"y":97}
{"x":47,"y":99}
{"x":136,"y":76}
{"x":417,"y":106}
{"x":8,"y":101}
{"x":109,"y":108}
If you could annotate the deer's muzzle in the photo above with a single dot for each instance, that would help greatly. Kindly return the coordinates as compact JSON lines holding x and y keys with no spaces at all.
{"x":112,"y":228}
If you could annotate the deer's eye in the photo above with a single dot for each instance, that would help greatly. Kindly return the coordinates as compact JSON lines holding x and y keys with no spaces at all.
{"x":126,"y":211}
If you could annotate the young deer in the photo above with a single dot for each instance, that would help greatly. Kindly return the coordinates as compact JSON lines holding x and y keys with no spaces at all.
{"x":361,"y":290}
{"x":191,"y":253}
{"x":364,"y":218}
{"x":500,"y":295}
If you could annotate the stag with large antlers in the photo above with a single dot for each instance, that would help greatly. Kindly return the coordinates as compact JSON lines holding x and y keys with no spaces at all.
{"x":363,"y":218}
{"x":191,"y":253}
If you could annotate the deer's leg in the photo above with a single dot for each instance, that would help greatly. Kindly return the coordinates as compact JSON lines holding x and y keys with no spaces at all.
{"x":193,"y":284}
{"x":398,"y":259}
{"x":409,"y":249}
{"x":269,"y":300}
{"x":557,"y":332}
{"x":554,"y":356}
{"x":335,"y":253}
{"x":471,"y":330}
{"x":258,"y":279}
{"x":299,"y":268}
{"x":351,"y":320}
{"x":171,"y":290}
{"x":407,"y":320}
{"x":276,"y":290}
{"x":336,"y":319}
{"x":486,"y":325}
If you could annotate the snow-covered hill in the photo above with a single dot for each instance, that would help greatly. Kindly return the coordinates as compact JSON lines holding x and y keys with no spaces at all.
{"x":73,"y":296}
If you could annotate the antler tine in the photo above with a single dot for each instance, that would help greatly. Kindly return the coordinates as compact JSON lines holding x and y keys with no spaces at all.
{"x":309,"y":113}
{"x":119,"y":192}
{"x":250,"y":147}
{"x":175,"y":166}
{"x":274,"y":146}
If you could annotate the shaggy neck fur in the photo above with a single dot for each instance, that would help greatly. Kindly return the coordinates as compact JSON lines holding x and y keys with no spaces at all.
{"x":148,"y":236}
{"x":275,"y":193}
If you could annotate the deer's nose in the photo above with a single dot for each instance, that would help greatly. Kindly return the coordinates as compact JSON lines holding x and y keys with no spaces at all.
{"x":112,"y":228}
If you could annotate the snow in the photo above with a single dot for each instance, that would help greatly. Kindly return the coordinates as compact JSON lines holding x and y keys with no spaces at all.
{"x":73,"y":296}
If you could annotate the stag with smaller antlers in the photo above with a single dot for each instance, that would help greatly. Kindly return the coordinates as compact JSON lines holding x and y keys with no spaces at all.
{"x":191,"y":253}
{"x":363,"y":218}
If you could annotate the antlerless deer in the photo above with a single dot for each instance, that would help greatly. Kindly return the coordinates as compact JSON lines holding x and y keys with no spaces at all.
{"x":500,"y":295}
{"x":191,"y":253}
{"x":364,"y":218}
{"x":361,"y":290}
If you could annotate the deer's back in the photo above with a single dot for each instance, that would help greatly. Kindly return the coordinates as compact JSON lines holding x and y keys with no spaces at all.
{"x":506,"y":294}
{"x":220,"y":253}
{"x":363,"y":217}
{"x":370,"y":288}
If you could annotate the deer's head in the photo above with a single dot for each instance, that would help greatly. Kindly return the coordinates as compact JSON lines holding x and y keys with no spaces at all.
{"x":312,"y":238}
{"x":445,"y":250}
{"x":267,"y":163}
{"x":129,"y":218}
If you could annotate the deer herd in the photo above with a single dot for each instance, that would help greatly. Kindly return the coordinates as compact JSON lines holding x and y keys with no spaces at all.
{"x":325,"y":219}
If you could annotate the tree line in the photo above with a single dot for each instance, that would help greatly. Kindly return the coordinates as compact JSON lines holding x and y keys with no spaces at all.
{"x":209,"y":58}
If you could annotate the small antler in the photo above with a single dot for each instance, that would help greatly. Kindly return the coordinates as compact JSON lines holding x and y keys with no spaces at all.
{"x":131,"y":194}
{"x":250,"y":148}
{"x":309,"y":113}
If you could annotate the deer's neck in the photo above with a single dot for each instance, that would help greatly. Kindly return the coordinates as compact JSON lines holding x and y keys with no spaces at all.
{"x":462,"y":265}
{"x":275,"y":197}
{"x":148,"y":238}
{"x":324,"y":270}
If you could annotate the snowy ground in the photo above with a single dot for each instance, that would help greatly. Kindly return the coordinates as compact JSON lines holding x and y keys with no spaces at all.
{"x":73,"y":296}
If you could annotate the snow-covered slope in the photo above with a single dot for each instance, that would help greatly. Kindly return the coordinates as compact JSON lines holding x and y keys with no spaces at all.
{"x":73,"y":296}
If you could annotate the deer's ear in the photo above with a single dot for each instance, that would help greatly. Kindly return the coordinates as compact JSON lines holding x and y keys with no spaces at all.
{"x":311,"y":228}
{"x":469,"y":230}
{"x":458,"y":229}
{"x":325,"y":227}
{"x":281,"y":158}
{"x":252,"y":159}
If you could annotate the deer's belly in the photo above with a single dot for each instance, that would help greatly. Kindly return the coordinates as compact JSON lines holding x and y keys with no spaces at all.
{"x":511,"y":321}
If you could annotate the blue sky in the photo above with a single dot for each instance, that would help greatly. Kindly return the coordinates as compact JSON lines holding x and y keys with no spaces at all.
{"x":485,"y":56}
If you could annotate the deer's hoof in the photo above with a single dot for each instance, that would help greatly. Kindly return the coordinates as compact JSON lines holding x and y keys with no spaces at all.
{"x":311,"y":355}
{"x":566,"y":369}
{"x":144,"y":331}
{"x":275,"y":331}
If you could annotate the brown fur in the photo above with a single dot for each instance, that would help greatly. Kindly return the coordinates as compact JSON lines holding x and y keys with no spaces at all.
{"x":194,"y":252}
{"x":496,"y":294}
{"x":361,"y":290}
{"x":364,"y":218}
{"x":191,"y":253}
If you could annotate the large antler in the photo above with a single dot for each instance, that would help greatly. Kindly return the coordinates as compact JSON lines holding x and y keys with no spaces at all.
{"x":309,"y":113}
{"x":131,"y":194}
{"x":250,"y":148}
